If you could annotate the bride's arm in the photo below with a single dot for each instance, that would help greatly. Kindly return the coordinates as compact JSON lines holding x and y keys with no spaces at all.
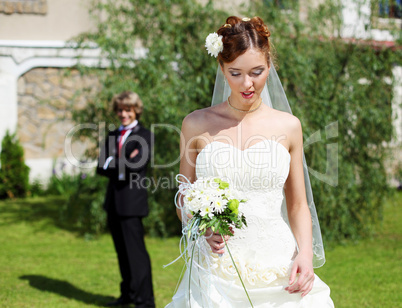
{"x":190,"y":131}
{"x":188,"y":151}
{"x":299,"y":214}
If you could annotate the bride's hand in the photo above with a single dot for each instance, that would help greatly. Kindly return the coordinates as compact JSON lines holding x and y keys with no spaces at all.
{"x":216,"y":241}
{"x":304,"y":282}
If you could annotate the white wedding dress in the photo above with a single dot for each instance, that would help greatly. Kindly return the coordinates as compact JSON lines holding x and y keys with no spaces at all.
{"x":264,"y":250}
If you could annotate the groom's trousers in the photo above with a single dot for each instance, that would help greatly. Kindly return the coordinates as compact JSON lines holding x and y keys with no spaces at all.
{"x":134,"y":262}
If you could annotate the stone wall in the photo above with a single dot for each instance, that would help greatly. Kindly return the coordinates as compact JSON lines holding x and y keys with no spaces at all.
{"x":46,"y":97}
{"x":23,"y":6}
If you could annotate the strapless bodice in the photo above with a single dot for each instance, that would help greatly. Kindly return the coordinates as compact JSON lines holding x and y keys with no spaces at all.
{"x":258,"y":172}
{"x":263,"y":166}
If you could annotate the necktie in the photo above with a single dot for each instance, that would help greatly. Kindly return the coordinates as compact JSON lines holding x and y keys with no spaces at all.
{"x":122,"y":132}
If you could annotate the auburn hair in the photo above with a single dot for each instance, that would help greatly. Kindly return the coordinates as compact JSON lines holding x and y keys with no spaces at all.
{"x":238,"y":35}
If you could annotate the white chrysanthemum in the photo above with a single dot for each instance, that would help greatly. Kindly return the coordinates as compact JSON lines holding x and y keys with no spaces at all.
{"x":213,"y":193}
{"x":196,"y":205}
{"x":214,"y":44}
{"x":207,"y":210}
{"x":190,"y":195}
{"x":206,"y":199}
{"x":197,"y":194}
{"x":219,"y":205}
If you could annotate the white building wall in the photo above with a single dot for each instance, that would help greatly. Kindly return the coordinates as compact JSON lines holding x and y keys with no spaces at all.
{"x":358,"y":22}
{"x":63,"y":20}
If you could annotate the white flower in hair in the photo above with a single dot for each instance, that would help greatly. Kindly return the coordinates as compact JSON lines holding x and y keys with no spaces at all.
{"x":214,"y":44}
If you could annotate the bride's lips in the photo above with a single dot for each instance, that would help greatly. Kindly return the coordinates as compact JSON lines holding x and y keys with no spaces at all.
{"x":247,"y":95}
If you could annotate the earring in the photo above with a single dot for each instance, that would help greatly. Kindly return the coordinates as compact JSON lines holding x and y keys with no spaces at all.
{"x":224,"y":78}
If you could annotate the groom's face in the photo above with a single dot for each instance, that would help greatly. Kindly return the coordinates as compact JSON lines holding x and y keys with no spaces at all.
{"x":126,"y":114}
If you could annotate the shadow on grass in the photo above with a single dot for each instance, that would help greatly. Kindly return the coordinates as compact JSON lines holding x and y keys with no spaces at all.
{"x":31,"y":210}
{"x":66,"y":289}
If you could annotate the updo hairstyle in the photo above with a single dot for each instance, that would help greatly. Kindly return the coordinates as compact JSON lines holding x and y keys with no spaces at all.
{"x":239,"y":35}
{"x":128,"y":99}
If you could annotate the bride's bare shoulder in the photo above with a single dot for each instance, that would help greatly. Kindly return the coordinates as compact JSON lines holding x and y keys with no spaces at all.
{"x":287,"y":121}
{"x":199,"y":120}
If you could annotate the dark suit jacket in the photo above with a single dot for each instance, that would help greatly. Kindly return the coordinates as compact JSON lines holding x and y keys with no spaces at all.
{"x":126,"y":189}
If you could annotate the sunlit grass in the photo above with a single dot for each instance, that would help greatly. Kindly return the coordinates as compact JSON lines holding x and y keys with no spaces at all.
{"x":44,"y":264}
{"x":368,"y":273}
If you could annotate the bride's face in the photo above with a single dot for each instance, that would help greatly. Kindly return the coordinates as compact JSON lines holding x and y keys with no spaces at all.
{"x":246,"y":76}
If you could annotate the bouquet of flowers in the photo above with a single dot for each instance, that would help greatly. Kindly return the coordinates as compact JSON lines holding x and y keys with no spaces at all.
{"x":212,"y":204}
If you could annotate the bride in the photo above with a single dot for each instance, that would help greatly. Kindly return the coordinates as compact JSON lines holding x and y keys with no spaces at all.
{"x":250,"y":139}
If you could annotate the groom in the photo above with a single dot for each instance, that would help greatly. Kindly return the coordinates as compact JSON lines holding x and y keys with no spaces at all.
{"x":126,"y":153}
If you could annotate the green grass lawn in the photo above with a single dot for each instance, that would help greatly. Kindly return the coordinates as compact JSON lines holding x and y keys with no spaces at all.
{"x":43,"y":264}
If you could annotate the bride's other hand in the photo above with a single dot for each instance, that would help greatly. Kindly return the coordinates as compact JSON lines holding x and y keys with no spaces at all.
{"x":216,"y":241}
{"x":303,"y":283}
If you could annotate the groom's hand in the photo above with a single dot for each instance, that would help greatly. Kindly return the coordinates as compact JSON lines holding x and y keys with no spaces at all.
{"x":134,"y":153}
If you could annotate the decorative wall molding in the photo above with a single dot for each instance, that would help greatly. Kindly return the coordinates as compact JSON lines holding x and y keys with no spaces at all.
{"x":25,"y":55}
{"x":18,"y":57}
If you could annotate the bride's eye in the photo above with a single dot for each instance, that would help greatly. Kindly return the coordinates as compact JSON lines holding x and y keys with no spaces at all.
{"x":257,"y":73}
{"x":235,"y":74}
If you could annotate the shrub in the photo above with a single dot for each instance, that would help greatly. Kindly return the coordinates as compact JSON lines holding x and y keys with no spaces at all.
{"x":14,"y":175}
{"x":84,"y":206}
{"x":83,"y":193}
{"x":36,"y":188}
{"x":83,"y":209}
